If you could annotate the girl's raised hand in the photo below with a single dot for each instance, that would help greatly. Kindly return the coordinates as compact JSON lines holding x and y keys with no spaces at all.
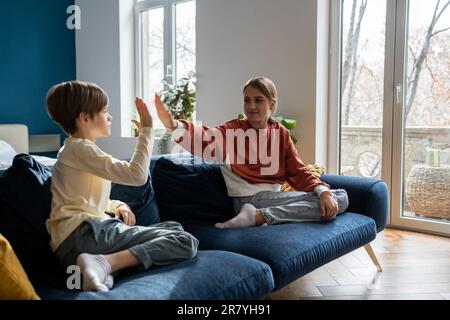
{"x":164,"y":114}
{"x":144,"y":115}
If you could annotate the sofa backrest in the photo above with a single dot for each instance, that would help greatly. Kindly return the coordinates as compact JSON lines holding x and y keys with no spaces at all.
{"x":25,"y":200}
{"x":140,"y":199}
{"x":189,"y":189}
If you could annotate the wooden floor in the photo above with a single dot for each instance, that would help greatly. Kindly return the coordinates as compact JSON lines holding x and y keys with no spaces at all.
{"x":415,"y":266}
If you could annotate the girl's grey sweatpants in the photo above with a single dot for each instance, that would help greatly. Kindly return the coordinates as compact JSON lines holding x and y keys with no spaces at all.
{"x":158,"y":244}
{"x":281,"y":207}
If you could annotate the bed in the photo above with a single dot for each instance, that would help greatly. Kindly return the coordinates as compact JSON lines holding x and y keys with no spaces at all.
{"x":14,"y":139}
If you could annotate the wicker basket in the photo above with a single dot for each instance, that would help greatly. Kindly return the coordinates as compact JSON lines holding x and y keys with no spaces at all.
{"x":428,"y":191}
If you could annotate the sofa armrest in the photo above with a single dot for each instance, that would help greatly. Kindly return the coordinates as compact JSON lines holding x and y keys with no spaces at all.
{"x":367,"y":196}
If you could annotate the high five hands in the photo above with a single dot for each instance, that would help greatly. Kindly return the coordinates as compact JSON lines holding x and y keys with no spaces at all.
{"x":164,"y":114}
{"x":144,"y":115}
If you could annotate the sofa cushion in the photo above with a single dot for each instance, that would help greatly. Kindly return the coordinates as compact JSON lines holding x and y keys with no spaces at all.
{"x":15,"y":284}
{"x":211,"y":275}
{"x":292,"y":249}
{"x":25,"y":200}
{"x":140,"y":199}
{"x":188,"y":189}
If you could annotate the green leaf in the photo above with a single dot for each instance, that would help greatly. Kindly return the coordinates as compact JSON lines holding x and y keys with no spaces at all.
{"x":289,"y":123}
{"x":241,"y":116}
{"x":294,"y":139}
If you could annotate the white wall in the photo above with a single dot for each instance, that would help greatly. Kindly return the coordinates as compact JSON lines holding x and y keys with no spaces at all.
{"x":238,"y":39}
{"x":105,"y":55}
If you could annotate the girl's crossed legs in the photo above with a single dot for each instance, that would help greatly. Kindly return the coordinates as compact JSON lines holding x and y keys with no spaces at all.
{"x":280,"y":207}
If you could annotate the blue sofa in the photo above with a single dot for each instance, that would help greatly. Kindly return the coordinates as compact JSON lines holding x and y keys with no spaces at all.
{"x":246,"y":263}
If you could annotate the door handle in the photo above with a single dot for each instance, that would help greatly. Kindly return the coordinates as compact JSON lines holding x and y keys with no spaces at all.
{"x":398,"y":92}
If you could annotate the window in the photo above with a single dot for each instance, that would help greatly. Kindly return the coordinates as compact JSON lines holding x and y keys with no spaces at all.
{"x":394,"y":73}
{"x":165,"y":46}
{"x":362,"y":86}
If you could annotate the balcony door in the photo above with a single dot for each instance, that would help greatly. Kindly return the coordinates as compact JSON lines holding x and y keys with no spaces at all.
{"x":394,"y":99}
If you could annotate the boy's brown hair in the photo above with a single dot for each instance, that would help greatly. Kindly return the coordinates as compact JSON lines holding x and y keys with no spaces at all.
{"x":65,"y":102}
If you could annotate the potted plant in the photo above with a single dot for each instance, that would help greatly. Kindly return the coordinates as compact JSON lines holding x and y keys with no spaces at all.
{"x":289,"y":124}
{"x":180,"y":99}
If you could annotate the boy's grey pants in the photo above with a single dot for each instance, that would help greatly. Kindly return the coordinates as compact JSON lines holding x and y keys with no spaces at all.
{"x":159,"y":244}
{"x":281,"y":207}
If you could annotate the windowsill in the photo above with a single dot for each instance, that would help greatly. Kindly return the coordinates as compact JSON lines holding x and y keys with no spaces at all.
{"x":155,"y":138}
{"x":159,"y":133}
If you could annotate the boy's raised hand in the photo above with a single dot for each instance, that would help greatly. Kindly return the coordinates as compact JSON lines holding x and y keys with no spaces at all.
{"x":144,"y":115}
{"x":164,"y":114}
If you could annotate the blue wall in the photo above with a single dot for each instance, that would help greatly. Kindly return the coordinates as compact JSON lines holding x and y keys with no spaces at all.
{"x":36,"y":51}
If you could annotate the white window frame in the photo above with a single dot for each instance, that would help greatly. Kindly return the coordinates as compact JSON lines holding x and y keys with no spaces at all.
{"x":170,"y":60}
{"x":334,"y":87}
{"x":335,"y":99}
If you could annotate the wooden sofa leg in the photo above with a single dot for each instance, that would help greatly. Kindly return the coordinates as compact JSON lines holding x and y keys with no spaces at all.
{"x":373,"y":256}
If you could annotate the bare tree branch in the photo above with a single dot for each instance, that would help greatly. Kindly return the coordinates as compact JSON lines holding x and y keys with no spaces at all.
{"x":442,"y":10}
{"x":181,"y":45}
{"x":348,"y":48}
{"x":375,"y":80}
{"x":433,"y":78}
{"x":413,"y":79}
{"x":411,"y":51}
{"x":353,"y":59}
{"x":440,"y":31}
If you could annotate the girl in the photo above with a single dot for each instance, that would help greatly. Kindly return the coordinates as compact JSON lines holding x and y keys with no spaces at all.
{"x":252,"y":177}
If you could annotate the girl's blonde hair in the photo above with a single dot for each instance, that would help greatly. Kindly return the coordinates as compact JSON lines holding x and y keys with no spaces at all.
{"x":266,"y":87}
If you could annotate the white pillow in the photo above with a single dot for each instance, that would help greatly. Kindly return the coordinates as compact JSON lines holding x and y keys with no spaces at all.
{"x":7,"y":153}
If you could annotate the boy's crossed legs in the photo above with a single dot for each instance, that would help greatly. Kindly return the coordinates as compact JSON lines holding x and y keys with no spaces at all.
{"x":100,"y":248}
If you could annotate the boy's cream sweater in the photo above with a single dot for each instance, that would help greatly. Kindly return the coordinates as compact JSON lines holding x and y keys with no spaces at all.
{"x":81,"y":182}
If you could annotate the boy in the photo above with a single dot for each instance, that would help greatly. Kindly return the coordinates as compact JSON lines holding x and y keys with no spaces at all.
{"x":81,"y":231}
